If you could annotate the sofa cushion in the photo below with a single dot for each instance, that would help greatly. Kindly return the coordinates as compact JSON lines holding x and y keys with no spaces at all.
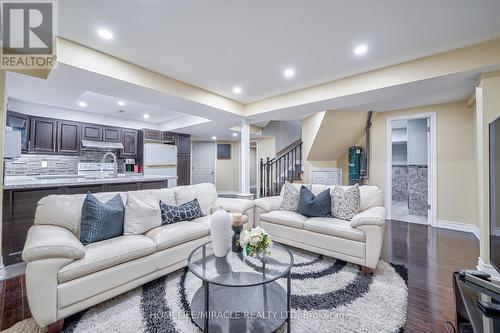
{"x":186,"y":212}
{"x":101,"y":220}
{"x":314,"y":205}
{"x":170,"y":235}
{"x":334,"y":227}
{"x":107,"y":253}
{"x":167,"y":195}
{"x":345,"y":201}
{"x":205,"y":193}
{"x":370,"y":196}
{"x":65,"y":210}
{"x":141,"y":214}
{"x":284,"y":217}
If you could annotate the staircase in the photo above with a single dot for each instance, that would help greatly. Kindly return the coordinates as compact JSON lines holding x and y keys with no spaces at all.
{"x":286,"y":166}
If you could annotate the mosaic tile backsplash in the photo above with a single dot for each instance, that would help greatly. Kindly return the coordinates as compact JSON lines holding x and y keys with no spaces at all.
{"x":31,"y":164}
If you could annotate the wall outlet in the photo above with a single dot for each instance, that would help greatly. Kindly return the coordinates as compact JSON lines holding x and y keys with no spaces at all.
{"x":44,"y":164}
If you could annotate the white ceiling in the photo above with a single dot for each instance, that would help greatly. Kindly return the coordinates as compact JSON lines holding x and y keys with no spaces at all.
{"x":108,"y":105}
{"x":218,"y":44}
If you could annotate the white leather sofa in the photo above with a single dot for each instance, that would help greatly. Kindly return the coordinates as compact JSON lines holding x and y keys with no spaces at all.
{"x":358,"y":241}
{"x":64,"y":277}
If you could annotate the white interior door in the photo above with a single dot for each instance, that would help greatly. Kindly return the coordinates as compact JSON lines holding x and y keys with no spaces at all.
{"x":325,"y":177}
{"x":203,"y":162}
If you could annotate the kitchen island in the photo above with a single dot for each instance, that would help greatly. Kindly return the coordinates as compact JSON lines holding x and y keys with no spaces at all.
{"x":22,"y":193}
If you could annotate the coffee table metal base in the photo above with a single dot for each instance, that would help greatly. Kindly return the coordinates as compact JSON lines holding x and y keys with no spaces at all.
{"x":261,"y":308}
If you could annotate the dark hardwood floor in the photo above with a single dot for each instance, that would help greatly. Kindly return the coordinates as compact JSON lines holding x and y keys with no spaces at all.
{"x":430,"y":254}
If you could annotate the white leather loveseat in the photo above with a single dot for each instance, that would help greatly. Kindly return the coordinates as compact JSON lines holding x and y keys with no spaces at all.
{"x":358,"y":241}
{"x":64,"y":277}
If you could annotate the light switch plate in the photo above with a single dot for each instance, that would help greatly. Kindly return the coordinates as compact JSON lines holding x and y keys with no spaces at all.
{"x":44,"y":164}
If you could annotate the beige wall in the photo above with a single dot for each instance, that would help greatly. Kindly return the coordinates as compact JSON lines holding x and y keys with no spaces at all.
{"x":455,"y":158}
{"x":266,"y":147}
{"x":227,"y":171}
{"x":3,"y":109}
{"x":489,"y":111}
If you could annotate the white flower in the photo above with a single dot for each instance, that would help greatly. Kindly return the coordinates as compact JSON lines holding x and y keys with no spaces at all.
{"x":244,"y":238}
{"x":255,"y":238}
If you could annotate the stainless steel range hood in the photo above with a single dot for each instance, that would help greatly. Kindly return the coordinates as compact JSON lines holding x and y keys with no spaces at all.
{"x":90,"y":144}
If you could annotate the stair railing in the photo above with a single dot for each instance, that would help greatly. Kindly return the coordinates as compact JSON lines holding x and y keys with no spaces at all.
{"x":276,"y":171}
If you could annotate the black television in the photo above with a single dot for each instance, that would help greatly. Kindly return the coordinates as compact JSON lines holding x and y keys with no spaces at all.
{"x":494,"y":189}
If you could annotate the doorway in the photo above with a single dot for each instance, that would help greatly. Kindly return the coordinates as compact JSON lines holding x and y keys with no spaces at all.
{"x":411,"y":164}
{"x":253,"y":168}
{"x":203,"y":162}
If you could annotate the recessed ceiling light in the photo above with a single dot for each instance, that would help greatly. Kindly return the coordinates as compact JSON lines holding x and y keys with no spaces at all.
{"x":214,"y":138}
{"x":360,"y":49}
{"x":235,"y":134}
{"x":145,"y":116}
{"x":237,"y":90}
{"x":105,"y":34}
{"x":122,"y":103}
{"x":82,"y":104}
{"x":289,"y":72}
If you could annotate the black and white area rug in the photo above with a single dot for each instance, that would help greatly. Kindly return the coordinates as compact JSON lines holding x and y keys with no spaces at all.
{"x":328,"y":295}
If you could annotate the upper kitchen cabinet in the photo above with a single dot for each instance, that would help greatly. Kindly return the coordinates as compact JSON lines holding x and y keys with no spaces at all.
{"x":111,"y":134}
{"x":130,"y":141}
{"x":68,"y":137}
{"x":43,"y":135}
{"x":183,"y":142}
{"x":169,"y":137}
{"x":152,"y":134}
{"x":20,"y":122}
{"x":91,"y":132}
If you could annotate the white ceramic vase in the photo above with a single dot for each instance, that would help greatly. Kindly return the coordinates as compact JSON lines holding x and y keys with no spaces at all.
{"x":220,"y":231}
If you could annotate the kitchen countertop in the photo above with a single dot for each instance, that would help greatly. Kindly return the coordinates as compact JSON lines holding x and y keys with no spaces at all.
{"x":29,"y":182}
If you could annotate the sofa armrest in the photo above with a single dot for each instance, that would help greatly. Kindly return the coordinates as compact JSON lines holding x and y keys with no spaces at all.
{"x":268,"y":204}
{"x":234,"y":205}
{"x":48,"y":241}
{"x":371,"y":216}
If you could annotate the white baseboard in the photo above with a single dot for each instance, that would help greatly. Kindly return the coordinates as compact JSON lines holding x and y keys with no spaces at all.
{"x":482,"y":266}
{"x":458,"y":226}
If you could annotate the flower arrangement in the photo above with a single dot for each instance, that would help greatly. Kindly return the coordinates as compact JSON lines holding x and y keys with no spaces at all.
{"x":256,"y":242}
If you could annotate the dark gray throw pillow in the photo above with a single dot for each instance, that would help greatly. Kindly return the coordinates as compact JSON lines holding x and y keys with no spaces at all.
{"x":314,"y":206}
{"x":100,"y":220}
{"x":186,"y":212}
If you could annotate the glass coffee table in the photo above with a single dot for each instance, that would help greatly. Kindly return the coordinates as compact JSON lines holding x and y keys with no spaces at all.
{"x":240,"y":293}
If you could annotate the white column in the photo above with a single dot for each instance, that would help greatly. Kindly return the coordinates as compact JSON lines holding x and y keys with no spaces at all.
{"x":245,"y":158}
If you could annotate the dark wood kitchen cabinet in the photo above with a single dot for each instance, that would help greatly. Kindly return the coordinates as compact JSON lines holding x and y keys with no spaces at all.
{"x":183,"y":170}
{"x":152,"y":134}
{"x":183,"y":142}
{"x":111,"y":134}
{"x":130,"y":141}
{"x":169,"y":137}
{"x":20,"y":122}
{"x":91,"y":132}
{"x":43,"y":135}
{"x":68,"y":137}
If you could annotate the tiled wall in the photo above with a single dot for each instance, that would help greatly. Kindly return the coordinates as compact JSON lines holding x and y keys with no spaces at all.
{"x":31,"y":164}
{"x":399,"y":183}
{"x":409,"y":183}
{"x":28,"y":165}
{"x":417,"y":190}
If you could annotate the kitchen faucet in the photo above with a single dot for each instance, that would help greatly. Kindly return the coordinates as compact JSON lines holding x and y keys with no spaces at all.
{"x":115,"y":165}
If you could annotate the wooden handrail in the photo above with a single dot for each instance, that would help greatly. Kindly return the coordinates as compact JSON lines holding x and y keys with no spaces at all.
{"x":285,"y":167}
